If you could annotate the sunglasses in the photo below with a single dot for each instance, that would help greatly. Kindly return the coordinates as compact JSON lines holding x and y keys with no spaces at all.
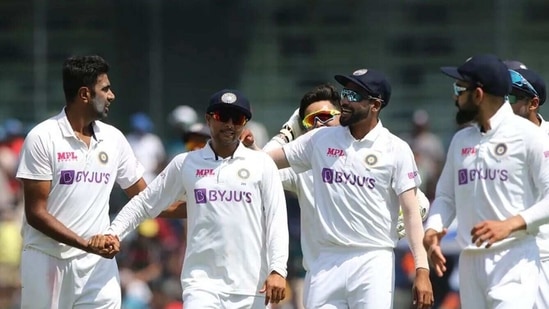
{"x":458,"y":90}
{"x":322,"y":117}
{"x":353,"y":96}
{"x":237,"y":118}
{"x":515,"y":98}
{"x":521,"y":82}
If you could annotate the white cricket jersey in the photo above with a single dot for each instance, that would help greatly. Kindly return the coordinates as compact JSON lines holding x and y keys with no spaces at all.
{"x":302,"y":185}
{"x":237,"y":229}
{"x":543,"y":236}
{"x":357,"y":183}
{"x":81,"y":178}
{"x":493,"y":176}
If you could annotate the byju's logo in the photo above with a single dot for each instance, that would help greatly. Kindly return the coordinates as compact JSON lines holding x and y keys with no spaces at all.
{"x":469,"y":175}
{"x":68,"y":177}
{"x":203,"y":196}
{"x":331,"y":176}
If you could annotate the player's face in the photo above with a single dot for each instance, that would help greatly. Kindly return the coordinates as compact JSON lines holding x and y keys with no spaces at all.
{"x":521,"y":105}
{"x":226,"y":126}
{"x":102,"y":97}
{"x":467,"y":109}
{"x":320,"y":114}
{"x":354,"y":112}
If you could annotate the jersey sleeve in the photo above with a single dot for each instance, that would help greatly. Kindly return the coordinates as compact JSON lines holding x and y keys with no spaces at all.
{"x":443,"y":209}
{"x":289,"y":179}
{"x":274,"y":205}
{"x":165,"y":189}
{"x":130,"y":169}
{"x":406,"y":173}
{"x":35,"y":159}
{"x":299,"y":152}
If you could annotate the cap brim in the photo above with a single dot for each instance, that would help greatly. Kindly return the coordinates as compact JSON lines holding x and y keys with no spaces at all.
{"x":246,"y":112}
{"x":344,"y":80}
{"x":452,"y":72}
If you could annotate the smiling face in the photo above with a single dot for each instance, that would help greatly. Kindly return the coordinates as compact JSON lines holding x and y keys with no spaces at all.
{"x":356,"y":105}
{"x":101,"y":97}
{"x":226,"y":125}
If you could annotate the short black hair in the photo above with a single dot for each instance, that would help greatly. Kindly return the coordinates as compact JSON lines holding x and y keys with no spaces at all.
{"x":82,"y":71}
{"x":320,"y":93}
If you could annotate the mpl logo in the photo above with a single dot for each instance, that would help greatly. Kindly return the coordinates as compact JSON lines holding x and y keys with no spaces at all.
{"x":468,"y":151}
{"x":203,"y":196}
{"x":470,"y":175}
{"x":66,"y":156}
{"x":334,"y":152}
{"x":203,"y":172}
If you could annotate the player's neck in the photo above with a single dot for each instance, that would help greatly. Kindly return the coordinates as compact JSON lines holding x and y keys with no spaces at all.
{"x":78,"y":121}
{"x":362,"y":128}
{"x":486,"y":112}
{"x":223,"y":151}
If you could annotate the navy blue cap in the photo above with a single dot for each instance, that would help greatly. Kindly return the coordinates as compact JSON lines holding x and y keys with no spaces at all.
{"x":486,"y":71}
{"x":373,"y":82}
{"x":514,"y":64}
{"x":229,"y":98}
{"x":536,"y":81}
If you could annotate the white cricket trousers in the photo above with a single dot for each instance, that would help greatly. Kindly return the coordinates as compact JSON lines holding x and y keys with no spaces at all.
{"x":87,"y":281}
{"x":351,"y":280}
{"x":200,"y":298}
{"x":500,"y":278}
{"x":542,"y":301}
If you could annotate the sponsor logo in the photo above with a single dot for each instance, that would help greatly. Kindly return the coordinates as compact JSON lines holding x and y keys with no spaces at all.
{"x":468,"y":151}
{"x":334,"y":152}
{"x":546,"y":153}
{"x":203,"y":172}
{"x":501,"y":149}
{"x":203,"y":196}
{"x":331,"y":176}
{"x":69,"y":177}
{"x":66,"y":156}
{"x":466,"y":176}
{"x":412,"y":175}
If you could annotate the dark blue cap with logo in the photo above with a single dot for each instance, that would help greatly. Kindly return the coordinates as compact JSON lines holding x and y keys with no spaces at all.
{"x":231,"y":99}
{"x":373,"y":82}
{"x":536,"y":81}
{"x":486,"y":71}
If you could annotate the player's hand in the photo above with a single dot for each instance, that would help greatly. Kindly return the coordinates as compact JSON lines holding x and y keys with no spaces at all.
{"x":247,"y":138}
{"x":106,"y":246}
{"x":422,"y":290}
{"x":431,"y":241}
{"x":274,"y":288}
{"x":488,"y":232}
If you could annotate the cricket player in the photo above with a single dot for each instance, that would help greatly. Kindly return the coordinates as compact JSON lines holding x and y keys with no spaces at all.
{"x":68,"y":166}
{"x":237,"y":237}
{"x":491,"y":183}
{"x":527,"y":96}
{"x":360,"y":173}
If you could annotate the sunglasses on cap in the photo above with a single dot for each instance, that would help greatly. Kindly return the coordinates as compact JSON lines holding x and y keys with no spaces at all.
{"x":458,"y":90}
{"x":353,"y":96}
{"x":237,"y":118}
{"x":521,"y":82}
{"x":321,"y":116}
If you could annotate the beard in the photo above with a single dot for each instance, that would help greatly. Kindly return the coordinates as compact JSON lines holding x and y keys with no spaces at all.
{"x":467,"y":113}
{"x":352,"y":118}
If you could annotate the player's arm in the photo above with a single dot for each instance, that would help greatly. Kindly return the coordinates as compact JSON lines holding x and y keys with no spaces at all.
{"x":137,"y":187}
{"x":36,"y":194}
{"x":177,"y":210}
{"x":279,"y":157}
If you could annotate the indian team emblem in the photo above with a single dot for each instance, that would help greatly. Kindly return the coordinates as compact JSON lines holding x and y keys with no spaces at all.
{"x":501,"y":149}
{"x":103,"y":157}
{"x":243,"y":173}
{"x":360,"y":72}
{"x":228,"y":97}
{"x":371,"y":159}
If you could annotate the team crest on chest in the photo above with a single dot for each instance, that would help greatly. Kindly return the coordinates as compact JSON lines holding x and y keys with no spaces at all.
{"x":103,"y":157}
{"x":243,"y":173}
{"x":500,"y":149}
{"x":371,"y":159}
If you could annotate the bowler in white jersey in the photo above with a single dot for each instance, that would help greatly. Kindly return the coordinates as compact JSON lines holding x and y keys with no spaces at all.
{"x":69,"y":164}
{"x":526,"y":99}
{"x":491,"y":183}
{"x":237,"y":237}
{"x":360,"y":173}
